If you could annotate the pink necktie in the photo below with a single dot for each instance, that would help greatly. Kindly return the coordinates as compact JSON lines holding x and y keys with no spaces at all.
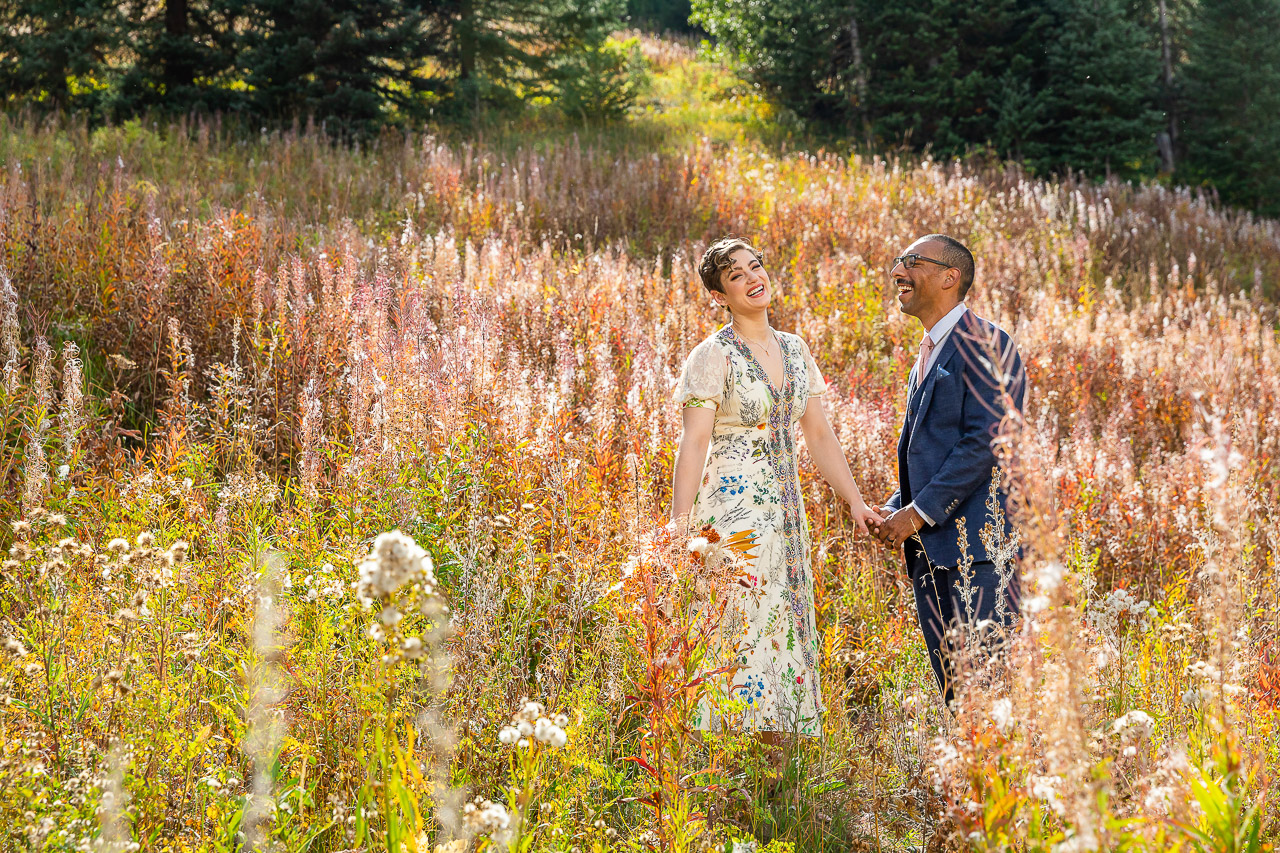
{"x":926,"y":349}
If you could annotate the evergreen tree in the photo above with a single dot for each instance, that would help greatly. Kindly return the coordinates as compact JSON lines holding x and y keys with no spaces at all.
{"x":797,"y":51}
{"x":55,"y":52}
{"x":354,"y":64}
{"x":186,"y":52}
{"x":1096,"y":109}
{"x":507,"y":52}
{"x":1231,"y":81}
{"x":939,"y":70}
{"x":661,"y":15}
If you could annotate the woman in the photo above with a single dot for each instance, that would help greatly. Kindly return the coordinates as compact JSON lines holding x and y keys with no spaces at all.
{"x":742,"y":392}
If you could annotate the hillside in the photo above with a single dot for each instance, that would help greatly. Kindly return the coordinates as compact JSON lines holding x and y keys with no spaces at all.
{"x":232,"y":361}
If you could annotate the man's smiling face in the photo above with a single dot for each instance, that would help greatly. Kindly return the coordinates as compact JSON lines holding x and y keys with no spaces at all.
{"x":923,"y":289}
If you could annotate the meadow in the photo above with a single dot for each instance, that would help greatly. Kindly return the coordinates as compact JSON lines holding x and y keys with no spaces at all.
{"x":234,"y":363}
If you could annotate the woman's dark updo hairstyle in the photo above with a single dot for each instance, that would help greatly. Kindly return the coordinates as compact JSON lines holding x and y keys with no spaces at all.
{"x":717,"y":258}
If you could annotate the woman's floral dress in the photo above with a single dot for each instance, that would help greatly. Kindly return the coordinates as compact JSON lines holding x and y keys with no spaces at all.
{"x":751,"y":490}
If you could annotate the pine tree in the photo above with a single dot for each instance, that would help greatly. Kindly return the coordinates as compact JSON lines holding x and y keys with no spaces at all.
{"x":508,"y":52}
{"x":1095,"y":110}
{"x":1231,"y":81}
{"x":798,"y":51}
{"x":354,"y":64}
{"x":186,"y":52}
{"x":55,"y":52}
{"x":939,"y":71}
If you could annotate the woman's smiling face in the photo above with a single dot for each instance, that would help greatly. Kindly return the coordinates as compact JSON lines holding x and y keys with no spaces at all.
{"x":745,"y":283}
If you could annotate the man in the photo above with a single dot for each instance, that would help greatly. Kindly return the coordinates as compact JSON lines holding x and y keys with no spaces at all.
{"x":966,"y":378}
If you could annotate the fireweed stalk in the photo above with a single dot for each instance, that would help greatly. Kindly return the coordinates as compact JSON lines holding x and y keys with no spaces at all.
{"x":674,"y":601}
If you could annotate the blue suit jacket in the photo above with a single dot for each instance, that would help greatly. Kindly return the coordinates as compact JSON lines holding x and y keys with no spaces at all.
{"x":944,"y":451}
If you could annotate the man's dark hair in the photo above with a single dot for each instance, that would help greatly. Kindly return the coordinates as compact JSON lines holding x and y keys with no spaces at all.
{"x":958,"y":255}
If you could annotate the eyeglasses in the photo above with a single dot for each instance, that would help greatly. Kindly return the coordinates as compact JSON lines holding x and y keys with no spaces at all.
{"x":910,"y":259}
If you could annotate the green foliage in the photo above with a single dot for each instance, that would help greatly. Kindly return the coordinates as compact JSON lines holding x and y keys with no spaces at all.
{"x":55,"y":53}
{"x":1094,"y":109}
{"x":600,"y":81}
{"x":354,"y":63}
{"x":1060,"y":85}
{"x":796,"y":51}
{"x":661,"y":15}
{"x":353,"y":66}
{"x":1232,"y":102}
{"x":185,"y":58}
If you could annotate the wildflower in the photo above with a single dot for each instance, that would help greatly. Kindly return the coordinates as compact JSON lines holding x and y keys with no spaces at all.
{"x":1045,"y":789}
{"x":561,"y":720}
{"x":32,"y":669}
{"x":118,"y":546}
{"x":390,"y":616}
{"x":14,"y":646}
{"x":1135,"y":725}
{"x":542,"y":729}
{"x":699,"y":544}
{"x":412,"y":648}
{"x":1002,"y":714}
{"x":485,"y":817}
{"x":1050,"y":576}
{"x":21,"y":528}
{"x":179,"y":550}
{"x":146,"y":539}
{"x":394,"y":561}
{"x":508,"y":736}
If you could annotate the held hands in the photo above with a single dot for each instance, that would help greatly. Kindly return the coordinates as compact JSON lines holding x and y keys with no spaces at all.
{"x":898,"y":525}
{"x":868,"y":518}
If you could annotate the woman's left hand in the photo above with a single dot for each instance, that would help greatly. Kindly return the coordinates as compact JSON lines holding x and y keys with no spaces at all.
{"x":867,"y":518}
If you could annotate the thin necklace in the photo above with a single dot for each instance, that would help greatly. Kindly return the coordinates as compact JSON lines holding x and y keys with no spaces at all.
{"x":762,"y":346}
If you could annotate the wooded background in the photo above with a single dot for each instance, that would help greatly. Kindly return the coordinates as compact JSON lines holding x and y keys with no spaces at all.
{"x":1186,"y":90}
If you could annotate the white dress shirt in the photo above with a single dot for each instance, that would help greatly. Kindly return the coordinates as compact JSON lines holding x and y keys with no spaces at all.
{"x":937,"y":334}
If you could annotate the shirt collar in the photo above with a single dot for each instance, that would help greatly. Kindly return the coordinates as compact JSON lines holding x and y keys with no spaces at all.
{"x":944,"y":326}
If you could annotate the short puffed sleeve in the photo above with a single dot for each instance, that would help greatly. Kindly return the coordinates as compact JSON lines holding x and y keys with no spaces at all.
{"x":817,"y":385}
{"x":703,"y":378}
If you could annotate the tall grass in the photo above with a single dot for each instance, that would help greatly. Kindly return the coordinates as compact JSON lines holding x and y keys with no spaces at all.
{"x":270,"y":345}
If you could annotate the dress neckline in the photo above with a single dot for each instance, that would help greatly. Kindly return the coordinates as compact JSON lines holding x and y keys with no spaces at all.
{"x":739,"y":342}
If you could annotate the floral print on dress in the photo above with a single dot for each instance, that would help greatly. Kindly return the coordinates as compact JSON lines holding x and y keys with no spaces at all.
{"x":751,"y":489}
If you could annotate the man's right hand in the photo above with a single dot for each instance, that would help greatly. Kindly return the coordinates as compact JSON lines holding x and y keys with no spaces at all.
{"x":877,"y":529}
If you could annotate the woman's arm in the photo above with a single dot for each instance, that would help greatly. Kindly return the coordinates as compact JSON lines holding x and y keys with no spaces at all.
{"x":829,"y":458}
{"x":691,"y":456}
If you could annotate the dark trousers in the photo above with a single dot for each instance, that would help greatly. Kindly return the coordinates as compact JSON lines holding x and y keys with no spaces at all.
{"x":940,"y":606}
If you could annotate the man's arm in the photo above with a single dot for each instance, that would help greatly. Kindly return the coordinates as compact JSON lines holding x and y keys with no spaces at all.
{"x":993,"y":378}
{"x":894,"y":503}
